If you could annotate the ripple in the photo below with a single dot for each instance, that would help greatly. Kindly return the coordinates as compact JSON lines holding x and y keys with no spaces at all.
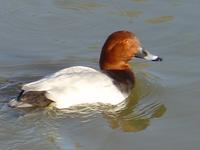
{"x":139,"y":1}
{"x":135,"y":114}
{"x":160,"y":19}
{"x":131,"y":13}
{"x":176,"y":2}
{"x":134,"y":120}
{"x":78,"y":5}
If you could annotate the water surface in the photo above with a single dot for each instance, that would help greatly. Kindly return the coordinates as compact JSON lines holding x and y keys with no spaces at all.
{"x":40,"y":37}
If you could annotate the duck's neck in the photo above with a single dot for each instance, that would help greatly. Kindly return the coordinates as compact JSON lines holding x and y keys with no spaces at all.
{"x":123,"y":79}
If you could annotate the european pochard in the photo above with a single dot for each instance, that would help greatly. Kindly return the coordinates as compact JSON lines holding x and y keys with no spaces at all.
{"x":80,"y":84}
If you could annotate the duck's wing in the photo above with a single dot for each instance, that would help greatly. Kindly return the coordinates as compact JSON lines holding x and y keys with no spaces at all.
{"x":57,"y":79}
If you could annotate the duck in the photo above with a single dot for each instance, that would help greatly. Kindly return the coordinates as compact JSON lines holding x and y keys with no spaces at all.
{"x":76,"y":85}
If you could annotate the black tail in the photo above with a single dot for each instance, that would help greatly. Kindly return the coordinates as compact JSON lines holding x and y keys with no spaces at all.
{"x":20,"y":95}
{"x":30,"y":99}
{"x":34,"y":98}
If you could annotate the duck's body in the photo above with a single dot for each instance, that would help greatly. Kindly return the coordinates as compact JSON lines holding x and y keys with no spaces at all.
{"x":76,"y":85}
{"x":79,"y":84}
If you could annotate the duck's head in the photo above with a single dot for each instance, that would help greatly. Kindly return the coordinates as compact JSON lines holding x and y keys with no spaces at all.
{"x":119,"y":48}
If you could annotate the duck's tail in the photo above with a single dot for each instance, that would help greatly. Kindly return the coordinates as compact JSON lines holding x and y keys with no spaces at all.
{"x":15,"y":103}
{"x":30,"y":99}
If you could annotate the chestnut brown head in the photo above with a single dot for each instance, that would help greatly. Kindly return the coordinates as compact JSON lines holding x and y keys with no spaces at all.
{"x":119,"y":48}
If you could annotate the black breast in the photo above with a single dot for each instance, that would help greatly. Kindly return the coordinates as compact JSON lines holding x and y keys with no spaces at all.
{"x":123,"y":79}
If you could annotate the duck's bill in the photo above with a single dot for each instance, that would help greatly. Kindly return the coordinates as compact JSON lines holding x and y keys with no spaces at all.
{"x":144,"y":54}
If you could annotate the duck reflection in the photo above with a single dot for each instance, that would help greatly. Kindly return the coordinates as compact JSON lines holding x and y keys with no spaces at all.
{"x":132,"y":121}
{"x":136,"y":113}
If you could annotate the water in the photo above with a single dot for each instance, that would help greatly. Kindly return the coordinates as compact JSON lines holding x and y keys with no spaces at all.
{"x":41,"y":37}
